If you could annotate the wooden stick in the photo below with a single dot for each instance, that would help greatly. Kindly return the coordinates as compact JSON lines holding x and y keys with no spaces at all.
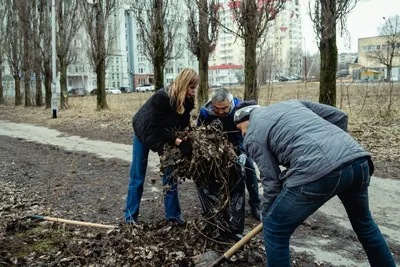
{"x":54,"y":219}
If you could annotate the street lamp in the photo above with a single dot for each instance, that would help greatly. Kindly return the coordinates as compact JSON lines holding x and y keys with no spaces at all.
{"x":54,"y":92}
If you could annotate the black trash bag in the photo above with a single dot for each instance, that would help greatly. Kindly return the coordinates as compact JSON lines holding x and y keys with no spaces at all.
{"x":223,"y":202}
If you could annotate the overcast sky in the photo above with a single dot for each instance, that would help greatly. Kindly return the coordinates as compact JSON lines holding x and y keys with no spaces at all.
{"x":363,"y":21}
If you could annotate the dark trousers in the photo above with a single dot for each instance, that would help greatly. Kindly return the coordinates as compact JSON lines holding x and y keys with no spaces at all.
{"x":293,"y":205}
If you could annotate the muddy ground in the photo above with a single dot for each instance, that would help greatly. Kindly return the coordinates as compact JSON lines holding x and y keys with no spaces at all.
{"x":48,"y":180}
{"x":82,"y":186}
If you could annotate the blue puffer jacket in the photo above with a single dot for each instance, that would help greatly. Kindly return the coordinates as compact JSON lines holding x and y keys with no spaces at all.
{"x":309,"y":139}
{"x":207,"y":115}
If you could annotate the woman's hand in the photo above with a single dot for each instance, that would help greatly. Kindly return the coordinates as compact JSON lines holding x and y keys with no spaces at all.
{"x":186,"y":148}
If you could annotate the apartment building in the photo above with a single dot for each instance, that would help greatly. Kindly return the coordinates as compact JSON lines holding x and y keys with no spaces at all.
{"x":283,"y":42}
{"x":127,"y":64}
{"x":367,"y":66}
{"x":286,"y":38}
{"x":140,"y":68}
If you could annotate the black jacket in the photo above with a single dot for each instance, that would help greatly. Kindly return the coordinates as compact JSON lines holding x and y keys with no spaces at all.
{"x":157,"y":121}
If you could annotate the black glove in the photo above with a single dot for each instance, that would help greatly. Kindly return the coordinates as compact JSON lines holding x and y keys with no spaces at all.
{"x":186,"y":148}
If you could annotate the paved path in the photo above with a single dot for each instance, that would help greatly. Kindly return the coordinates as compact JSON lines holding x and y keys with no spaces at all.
{"x":384,"y":193}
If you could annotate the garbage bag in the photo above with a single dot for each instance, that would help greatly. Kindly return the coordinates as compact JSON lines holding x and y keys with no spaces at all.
{"x":223,"y":201}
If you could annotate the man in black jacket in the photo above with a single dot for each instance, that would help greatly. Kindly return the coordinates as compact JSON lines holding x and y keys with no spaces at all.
{"x":221,"y":107}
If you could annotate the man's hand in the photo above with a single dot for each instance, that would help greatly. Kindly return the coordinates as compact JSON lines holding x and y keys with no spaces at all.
{"x":186,"y":148}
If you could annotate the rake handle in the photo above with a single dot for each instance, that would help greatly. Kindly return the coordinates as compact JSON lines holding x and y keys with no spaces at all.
{"x":54,"y":219}
{"x":229,"y":253}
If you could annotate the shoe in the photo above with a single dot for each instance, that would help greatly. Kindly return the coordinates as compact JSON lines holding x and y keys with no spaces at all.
{"x":256,"y":213}
{"x":176,"y":222}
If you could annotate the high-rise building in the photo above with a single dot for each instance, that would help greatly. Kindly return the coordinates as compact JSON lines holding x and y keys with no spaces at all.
{"x":285,"y":36}
{"x":127,"y":64}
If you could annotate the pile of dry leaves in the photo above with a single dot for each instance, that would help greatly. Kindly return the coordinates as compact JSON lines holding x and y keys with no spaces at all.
{"x":216,"y":173}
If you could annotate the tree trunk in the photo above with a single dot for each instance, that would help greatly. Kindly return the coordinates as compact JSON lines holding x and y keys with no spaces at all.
{"x":389,"y":71}
{"x":204,"y":48}
{"x":47,"y":84}
{"x":250,"y":71}
{"x":39,"y":96}
{"x":63,"y":84}
{"x":328,"y":55}
{"x":17,"y":87}
{"x":327,"y":85}
{"x":101,"y":86}
{"x":1,"y":88}
{"x":27,"y":88}
{"x":159,"y":58}
{"x":101,"y":59}
{"x":202,"y":93}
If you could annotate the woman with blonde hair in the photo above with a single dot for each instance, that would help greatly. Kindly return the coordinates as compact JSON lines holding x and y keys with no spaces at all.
{"x":154,"y":125}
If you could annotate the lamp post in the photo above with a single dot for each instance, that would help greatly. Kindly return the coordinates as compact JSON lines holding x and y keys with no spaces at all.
{"x":54,"y":92}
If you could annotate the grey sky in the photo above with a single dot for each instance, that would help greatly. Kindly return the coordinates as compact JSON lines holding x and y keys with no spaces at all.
{"x":363,"y":21}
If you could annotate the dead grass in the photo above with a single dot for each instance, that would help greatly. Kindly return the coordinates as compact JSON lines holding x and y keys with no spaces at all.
{"x":367,"y":105}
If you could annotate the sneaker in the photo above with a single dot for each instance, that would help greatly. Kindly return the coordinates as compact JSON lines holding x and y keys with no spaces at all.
{"x":256,"y":213}
{"x":176,"y":222}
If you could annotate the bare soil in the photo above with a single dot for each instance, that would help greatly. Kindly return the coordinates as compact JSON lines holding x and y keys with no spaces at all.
{"x":46,"y":180}
{"x":81,"y":186}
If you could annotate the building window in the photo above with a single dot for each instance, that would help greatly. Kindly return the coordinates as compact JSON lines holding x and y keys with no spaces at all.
{"x":169,"y":70}
{"x":118,"y":84}
{"x":76,"y":69}
{"x":112,"y":76}
{"x":117,"y":76}
{"x":142,"y":81}
{"x":141,"y":70}
{"x":170,"y":80}
{"x":113,"y":84}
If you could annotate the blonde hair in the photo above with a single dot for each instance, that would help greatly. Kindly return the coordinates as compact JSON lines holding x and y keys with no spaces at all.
{"x":178,"y":89}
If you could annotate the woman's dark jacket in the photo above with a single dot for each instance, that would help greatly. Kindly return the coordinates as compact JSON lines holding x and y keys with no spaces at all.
{"x":157,"y":121}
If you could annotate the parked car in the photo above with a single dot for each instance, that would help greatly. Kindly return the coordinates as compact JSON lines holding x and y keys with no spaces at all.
{"x":145,"y":87}
{"x":113,"y":91}
{"x":125,"y":89}
{"x":76,"y":92}
{"x":283,"y":79}
{"x":93,"y":92}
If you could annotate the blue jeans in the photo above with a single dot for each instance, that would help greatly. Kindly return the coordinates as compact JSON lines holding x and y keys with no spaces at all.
{"x":252,"y":183}
{"x":137,"y":175}
{"x":293,"y":205}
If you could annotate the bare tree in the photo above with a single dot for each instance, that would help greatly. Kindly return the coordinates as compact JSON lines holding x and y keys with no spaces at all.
{"x":24,"y":13}
{"x":252,"y":18}
{"x":203,"y":34}
{"x":36,"y":53}
{"x":45,"y":47}
{"x":2,"y":45}
{"x":100,"y":28}
{"x":69,"y":21}
{"x":158,"y":23}
{"x":326,"y":15}
{"x":390,"y":31}
{"x":14,"y":47}
{"x":265,"y":64}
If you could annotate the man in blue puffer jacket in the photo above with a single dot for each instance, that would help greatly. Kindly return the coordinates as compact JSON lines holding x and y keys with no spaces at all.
{"x":322,"y":160}
{"x":221,"y":107}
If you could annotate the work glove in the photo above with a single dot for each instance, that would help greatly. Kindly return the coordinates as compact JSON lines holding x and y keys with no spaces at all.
{"x":186,"y":148}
